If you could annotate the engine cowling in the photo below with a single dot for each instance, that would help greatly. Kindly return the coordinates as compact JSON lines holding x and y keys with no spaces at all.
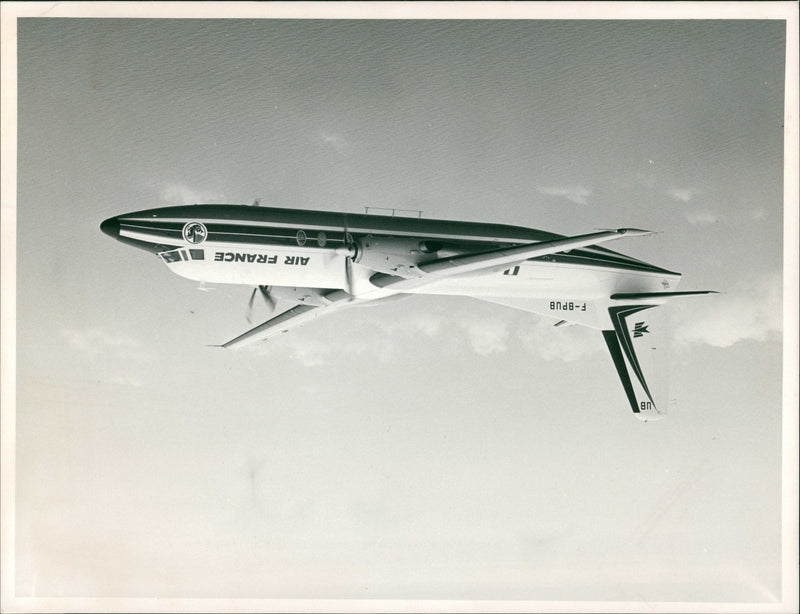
{"x":395,"y":255}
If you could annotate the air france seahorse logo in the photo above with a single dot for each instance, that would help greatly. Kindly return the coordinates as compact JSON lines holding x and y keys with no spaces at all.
{"x":194,"y":232}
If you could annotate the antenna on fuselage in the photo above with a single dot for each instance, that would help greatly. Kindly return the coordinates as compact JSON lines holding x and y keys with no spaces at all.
{"x":395,"y":211}
{"x":257,"y":202}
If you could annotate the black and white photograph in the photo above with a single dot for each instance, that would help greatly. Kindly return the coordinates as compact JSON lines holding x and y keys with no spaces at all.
{"x":399,"y":307}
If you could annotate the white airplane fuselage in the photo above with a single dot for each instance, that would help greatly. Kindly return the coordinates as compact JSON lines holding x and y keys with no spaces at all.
{"x":261,"y":246}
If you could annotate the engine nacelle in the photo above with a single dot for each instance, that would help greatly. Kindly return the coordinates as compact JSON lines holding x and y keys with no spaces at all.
{"x":394,"y":255}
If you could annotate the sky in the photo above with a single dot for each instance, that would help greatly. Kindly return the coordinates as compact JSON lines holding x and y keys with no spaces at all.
{"x":435,"y":448}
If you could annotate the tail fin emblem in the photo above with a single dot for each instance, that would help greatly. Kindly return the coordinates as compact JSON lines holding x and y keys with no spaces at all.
{"x":639,"y":330}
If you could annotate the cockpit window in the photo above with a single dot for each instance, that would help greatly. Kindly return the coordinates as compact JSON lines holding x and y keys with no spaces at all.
{"x":176,"y":255}
{"x":170,"y":257}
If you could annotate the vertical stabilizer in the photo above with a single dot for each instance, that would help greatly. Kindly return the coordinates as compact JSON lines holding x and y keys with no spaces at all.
{"x":622,"y":343}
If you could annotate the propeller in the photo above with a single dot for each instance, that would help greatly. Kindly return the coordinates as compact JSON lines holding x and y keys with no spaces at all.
{"x":268,"y":298}
{"x":348,"y":273}
{"x":349,"y":250}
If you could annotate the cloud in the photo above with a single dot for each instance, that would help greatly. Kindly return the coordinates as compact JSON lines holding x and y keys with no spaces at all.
{"x":487,"y":336}
{"x":752,"y":309}
{"x":565,"y":343}
{"x":483,"y":329}
{"x":307,"y":354}
{"x":696,"y":217}
{"x":576,"y":194}
{"x":701,"y":217}
{"x":414,"y":323}
{"x":335,"y":141}
{"x":110,"y":349}
{"x":99,"y":341}
{"x":182,"y":194}
{"x":358,"y":332}
{"x":683,"y":195}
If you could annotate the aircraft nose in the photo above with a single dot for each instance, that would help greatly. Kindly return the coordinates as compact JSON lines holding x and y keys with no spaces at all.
{"x":111,"y":227}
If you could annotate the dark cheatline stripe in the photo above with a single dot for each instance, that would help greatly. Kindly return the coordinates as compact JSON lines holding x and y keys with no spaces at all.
{"x":228,"y":237}
{"x":153,"y":225}
{"x":605,"y":256}
{"x":244,"y":230}
{"x":269,"y":235}
{"x":619,"y":362}
{"x":154,"y":231}
{"x":267,"y":225}
{"x":617,"y":263}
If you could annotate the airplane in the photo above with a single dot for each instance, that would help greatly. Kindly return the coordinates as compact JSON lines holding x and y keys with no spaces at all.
{"x":321,"y":262}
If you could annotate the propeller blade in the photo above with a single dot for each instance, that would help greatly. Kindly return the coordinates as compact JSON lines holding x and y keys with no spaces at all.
{"x":348,"y":274}
{"x":265,"y":292}
{"x":268,"y":298}
{"x":249,"y":312}
{"x":350,"y":251}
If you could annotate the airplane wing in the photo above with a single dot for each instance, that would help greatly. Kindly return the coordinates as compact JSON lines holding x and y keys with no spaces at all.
{"x":291,"y":318}
{"x":429,"y":272}
{"x":498,"y":259}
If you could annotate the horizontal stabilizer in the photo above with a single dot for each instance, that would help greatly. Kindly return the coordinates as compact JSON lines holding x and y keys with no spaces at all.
{"x":632,"y":296}
{"x":496,"y":259}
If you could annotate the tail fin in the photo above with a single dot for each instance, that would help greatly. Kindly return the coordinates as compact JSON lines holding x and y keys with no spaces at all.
{"x":623,"y":352}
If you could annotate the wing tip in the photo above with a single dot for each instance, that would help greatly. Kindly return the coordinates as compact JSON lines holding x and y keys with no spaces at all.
{"x":635,"y":232}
